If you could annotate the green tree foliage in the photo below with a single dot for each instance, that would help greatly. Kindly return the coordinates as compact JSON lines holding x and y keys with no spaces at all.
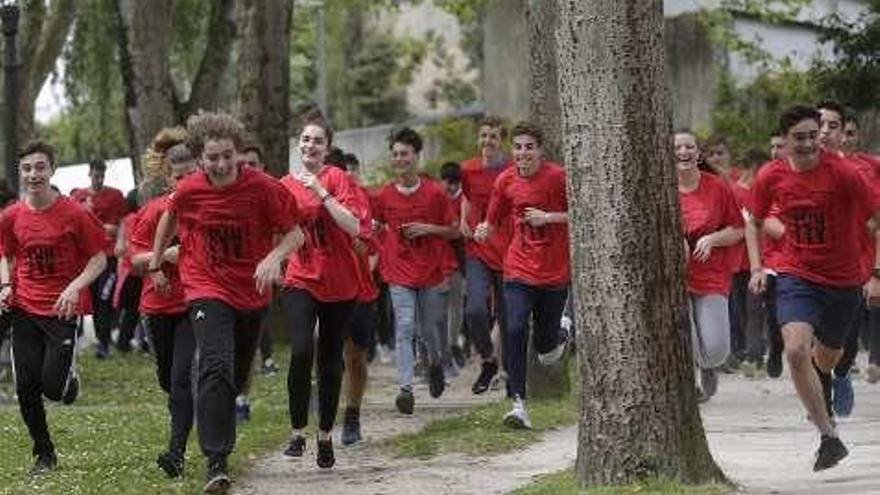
{"x":748,"y":115}
{"x":93,"y":124}
{"x":854,"y":74}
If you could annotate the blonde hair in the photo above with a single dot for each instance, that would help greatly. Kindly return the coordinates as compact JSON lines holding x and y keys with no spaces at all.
{"x":154,"y":165}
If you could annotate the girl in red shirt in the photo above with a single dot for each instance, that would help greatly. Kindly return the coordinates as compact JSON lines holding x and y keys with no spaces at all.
{"x":164,"y":312}
{"x":227,"y":217}
{"x":56,"y":249}
{"x":536,"y":266}
{"x":318,"y":285}
{"x":711,"y":222}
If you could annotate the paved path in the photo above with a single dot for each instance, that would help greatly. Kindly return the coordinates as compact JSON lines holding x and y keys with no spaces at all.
{"x":756,"y":429}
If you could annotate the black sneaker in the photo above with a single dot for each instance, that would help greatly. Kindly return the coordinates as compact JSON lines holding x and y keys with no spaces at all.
{"x":351,"y":427}
{"x":171,"y":463}
{"x":487,"y":373}
{"x":709,"y":382}
{"x":436,"y":380}
{"x":44,"y":463}
{"x":774,"y":364}
{"x":218,"y":478}
{"x":71,"y":389}
{"x":297,"y":447}
{"x":325,"y":458}
{"x":831,"y":451}
{"x":405,"y":401}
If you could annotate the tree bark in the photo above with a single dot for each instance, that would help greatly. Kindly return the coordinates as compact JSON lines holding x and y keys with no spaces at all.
{"x":209,"y":77}
{"x":639,"y":413}
{"x":145,"y":45}
{"x":264,"y":77}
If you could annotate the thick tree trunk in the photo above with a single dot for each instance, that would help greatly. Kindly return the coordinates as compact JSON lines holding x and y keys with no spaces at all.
{"x":639,"y":413}
{"x":545,"y":381}
{"x":264,"y":76}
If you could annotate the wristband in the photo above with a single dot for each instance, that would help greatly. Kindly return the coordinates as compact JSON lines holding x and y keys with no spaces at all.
{"x":153,"y":270}
{"x":325,"y":196}
{"x":5,"y":285}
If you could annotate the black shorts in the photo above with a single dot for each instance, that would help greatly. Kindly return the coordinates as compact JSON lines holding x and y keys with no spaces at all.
{"x":361,"y":328}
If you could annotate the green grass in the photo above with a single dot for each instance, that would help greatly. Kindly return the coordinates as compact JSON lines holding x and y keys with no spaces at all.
{"x":481,"y":432}
{"x":108,"y":440}
{"x":564,"y":483}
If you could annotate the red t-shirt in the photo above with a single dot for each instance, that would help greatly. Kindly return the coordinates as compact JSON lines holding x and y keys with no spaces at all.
{"x":325,"y":263}
{"x":51,"y":247}
{"x":820,"y":210}
{"x":108,"y":205}
{"x":739,"y":252}
{"x":477,"y":181}
{"x":225,"y":232}
{"x":423,"y":261}
{"x":154,"y":302}
{"x":536,"y":255}
{"x":706,"y":210}
{"x":124,"y":268}
{"x":869,"y":168}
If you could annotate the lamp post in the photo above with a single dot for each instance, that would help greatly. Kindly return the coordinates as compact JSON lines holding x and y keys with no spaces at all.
{"x":9,"y":14}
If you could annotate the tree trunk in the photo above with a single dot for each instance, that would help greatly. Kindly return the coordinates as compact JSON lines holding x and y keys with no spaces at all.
{"x":264,"y":77}
{"x":145,"y":45}
{"x":639,"y":413}
{"x":545,"y":381}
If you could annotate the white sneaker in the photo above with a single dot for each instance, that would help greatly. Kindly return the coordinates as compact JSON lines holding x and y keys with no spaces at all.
{"x":552,"y":357}
{"x":386,"y":355}
{"x":518,"y":417}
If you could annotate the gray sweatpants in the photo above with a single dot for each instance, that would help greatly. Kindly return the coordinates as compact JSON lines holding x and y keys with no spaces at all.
{"x":710,"y":330}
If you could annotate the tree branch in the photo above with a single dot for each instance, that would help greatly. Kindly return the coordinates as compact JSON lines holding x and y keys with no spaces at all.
{"x":208,"y":80}
{"x":54,"y":34}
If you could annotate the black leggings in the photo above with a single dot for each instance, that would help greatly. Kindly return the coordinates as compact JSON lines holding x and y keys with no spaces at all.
{"x":103,"y":313}
{"x":43,"y":352}
{"x":174,"y":346}
{"x":301,"y":310}
{"x":129,"y":314}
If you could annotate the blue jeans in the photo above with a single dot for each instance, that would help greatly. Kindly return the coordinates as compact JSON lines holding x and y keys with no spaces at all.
{"x":523,"y":303}
{"x":422,"y":313}
{"x":480,"y":280}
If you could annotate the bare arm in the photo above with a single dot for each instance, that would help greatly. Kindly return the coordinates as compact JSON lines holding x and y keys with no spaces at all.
{"x":340,"y":214}
{"x":120,"y":247}
{"x":6,"y":281}
{"x":165,"y":230}
{"x":68,"y":301}
{"x":463,"y":227}
{"x":268,"y":271}
{"x":773,"y":227}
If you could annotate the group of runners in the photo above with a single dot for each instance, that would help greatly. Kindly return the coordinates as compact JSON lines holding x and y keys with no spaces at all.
{"x":214,"y":240}
{"x":780,"y":258}
{"x":798,"y":235}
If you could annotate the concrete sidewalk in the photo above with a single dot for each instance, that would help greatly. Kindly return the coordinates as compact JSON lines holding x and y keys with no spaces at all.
{"x":759,"y":435}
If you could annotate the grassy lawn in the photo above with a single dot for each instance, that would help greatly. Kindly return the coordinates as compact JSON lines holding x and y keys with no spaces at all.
{"x":107,"y":442}
{"x":564,"y":483}
{"x":480,"y":431}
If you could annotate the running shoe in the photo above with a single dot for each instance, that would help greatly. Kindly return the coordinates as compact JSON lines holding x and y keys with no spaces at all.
{"x":487,"y":373}
{"x":269,"y":368}
{"x":351,"y":427}
{"x":405,"y":401}
{"x":71,"y":388}
{"x":325,"y":458}
{"x":553,"y":357}
{"x":774,"y":363}
{"x":518,"y":417}
{"x":436,"y":380}
{"x":171,"y":463}
{"x":242,"y":411}
{"x":843,"y":396}
{"x":218,"y":477}
{"x":44,"y":463}
{"x":831,"y":451}
{"x":296,"y":447}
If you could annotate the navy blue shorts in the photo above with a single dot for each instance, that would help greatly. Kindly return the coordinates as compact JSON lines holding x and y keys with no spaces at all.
{"x":831,"y":311}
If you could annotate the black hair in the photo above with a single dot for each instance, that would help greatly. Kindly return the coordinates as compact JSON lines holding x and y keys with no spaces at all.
{"x":406,"y":136}
{"x":834,"y":106}
{"x":336,"y":158}
{"x":793,"y":115}
{"x":351,"y":161}
{"x":97,"y":164}
{"x":451,"y":172}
